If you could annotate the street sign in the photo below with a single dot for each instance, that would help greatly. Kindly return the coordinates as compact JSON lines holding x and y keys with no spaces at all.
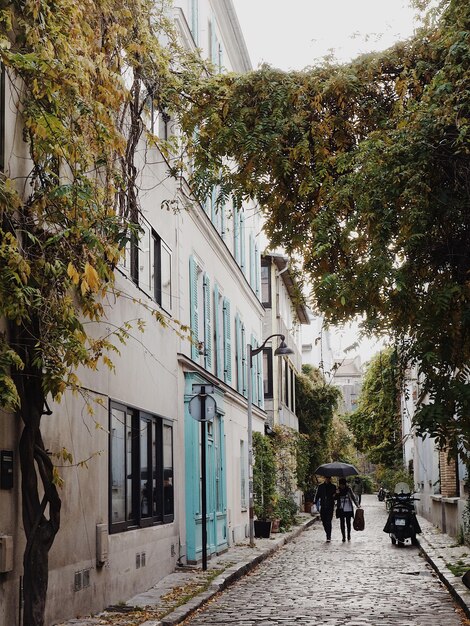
{"x":196,"y":410}
{"x":207,"y":389}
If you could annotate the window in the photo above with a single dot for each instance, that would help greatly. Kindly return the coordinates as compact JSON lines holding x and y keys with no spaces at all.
{"x":201,"y":315}
{"x":266,"y":283}
{"x":268,"y":372}
{"x":148,"y":262}
{"x":218,"y":344}
{"x":141,"y":469}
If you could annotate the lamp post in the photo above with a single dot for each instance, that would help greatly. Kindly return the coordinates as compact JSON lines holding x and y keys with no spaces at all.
{"x":280,"y":350}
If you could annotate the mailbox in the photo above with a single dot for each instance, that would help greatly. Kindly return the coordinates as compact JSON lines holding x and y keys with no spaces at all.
{"x":6,"y":469}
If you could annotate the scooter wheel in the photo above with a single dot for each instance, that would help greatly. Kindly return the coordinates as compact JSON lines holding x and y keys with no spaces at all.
{"x":414,"y":541}
{"x":393,"y":540}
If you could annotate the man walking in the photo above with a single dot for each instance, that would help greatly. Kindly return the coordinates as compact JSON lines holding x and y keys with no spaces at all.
{"x":325,"y":502}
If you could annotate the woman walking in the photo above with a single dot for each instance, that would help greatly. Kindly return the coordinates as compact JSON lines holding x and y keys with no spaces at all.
{"x":344,"y":507}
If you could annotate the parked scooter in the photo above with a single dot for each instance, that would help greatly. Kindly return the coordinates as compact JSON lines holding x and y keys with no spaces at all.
{"x":402,"y":523}
{"x":381,"y":494}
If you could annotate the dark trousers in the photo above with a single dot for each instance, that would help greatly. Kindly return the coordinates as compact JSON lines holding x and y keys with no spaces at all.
{"x":326,"y":515}
{"x":345,"y":523}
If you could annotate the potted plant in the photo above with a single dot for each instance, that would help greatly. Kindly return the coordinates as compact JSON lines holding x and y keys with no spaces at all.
{"x":264,"y":484}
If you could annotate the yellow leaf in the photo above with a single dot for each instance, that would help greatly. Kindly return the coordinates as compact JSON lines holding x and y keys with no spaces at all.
{"x":73,"y":274}
{"x":92,"y":277}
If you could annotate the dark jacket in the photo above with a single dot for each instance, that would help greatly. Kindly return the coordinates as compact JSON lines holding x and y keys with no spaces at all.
{"x":344,"y":494}
{"x":326,"y":496}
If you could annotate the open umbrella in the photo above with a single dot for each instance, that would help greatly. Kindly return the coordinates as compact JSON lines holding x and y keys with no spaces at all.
{"x":336,"y":469}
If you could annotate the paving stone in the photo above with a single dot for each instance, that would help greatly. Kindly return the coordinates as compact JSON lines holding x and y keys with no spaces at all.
{"x":365,"y":582}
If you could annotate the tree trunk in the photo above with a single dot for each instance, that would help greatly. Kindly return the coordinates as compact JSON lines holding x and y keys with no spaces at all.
{"x":37,"y":498}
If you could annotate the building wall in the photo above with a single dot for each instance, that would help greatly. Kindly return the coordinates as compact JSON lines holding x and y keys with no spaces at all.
{"x":440,"y":484}
{"x":149,"y":376}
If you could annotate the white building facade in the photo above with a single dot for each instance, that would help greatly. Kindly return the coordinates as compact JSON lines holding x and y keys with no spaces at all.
{"x":133,"y":513}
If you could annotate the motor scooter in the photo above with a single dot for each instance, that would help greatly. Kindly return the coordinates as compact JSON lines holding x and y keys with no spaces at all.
{"x":402,"y":523}
{"x":381,"y":494}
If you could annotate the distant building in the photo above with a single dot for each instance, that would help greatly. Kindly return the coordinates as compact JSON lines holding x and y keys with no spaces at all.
{"x":316,"y":346}
{"x":348,"y":377}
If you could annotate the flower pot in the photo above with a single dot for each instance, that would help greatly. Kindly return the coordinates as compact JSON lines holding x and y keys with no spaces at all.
{"x":262,"y":529}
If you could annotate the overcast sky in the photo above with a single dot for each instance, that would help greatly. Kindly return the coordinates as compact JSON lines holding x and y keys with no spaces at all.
{"x":294,"y":34}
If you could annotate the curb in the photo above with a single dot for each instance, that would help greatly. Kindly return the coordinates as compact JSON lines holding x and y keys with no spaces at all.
{"x":228,"y":577}
{"x":453,"y":583}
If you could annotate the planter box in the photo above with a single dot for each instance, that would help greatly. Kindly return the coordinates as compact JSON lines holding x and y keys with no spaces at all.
{"x":262,"y":529}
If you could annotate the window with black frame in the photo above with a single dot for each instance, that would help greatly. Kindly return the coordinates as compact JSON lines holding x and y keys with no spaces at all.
{"x":148,"y":262}
{"x":266,"y":283}
{"x":268,"y":372}
{"x":141,"y":469}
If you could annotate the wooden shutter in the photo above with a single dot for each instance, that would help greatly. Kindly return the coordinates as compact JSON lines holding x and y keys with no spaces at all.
{"x":227,"y":342}
{"x":207,"y":323}
{"x":193,"y":307}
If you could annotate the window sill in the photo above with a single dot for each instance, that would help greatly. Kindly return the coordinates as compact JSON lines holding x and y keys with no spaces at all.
{"x":439,"y":498}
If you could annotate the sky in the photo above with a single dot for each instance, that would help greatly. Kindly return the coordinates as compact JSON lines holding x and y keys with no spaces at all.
{"x":299,"y":33}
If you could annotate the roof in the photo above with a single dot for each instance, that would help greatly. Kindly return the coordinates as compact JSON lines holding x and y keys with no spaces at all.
{"x":282,"y":263}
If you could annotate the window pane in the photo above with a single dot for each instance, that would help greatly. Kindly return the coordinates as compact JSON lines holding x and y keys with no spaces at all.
{"x":146,"y":259}
{"x":145,"y":469}
{"x":168,"y":496}
{"x":166,"y":278}
{"x":129,"y":469}
{"x":118,"y":466}
{"x":265,"y":292}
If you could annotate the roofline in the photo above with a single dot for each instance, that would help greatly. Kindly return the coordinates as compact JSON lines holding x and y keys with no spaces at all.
{"x":282,"y":263}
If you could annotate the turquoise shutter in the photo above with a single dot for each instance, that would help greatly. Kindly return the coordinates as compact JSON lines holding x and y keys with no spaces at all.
{"x":194,"y":314}
{"x":207,"y":323}
{"x":254,"y":372}
{"x":242,"y":242}
{"x":244,"y":362}
{"x":257,"y":272}
{"x":252,"y":262}
{"x":214,"y":205}
{"x":227,"y":343}
{"x":214,"y":43}
{"x":218,"y":342}
{"x":236,"y":234}
{"x":195,"y":20}
{"x":238,"y":352}
{"x":223,"y":212}
{"x":260,"y":380}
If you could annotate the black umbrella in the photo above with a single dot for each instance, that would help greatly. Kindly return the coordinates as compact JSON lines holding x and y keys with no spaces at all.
{"x":336,"y":469}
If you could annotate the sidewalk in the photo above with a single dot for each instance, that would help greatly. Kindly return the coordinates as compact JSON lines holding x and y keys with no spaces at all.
{"x":178,"y":595}
{"x":442,"y":551}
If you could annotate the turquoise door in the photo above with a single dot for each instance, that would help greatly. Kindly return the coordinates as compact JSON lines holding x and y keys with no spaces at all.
{"x":216,"y":516}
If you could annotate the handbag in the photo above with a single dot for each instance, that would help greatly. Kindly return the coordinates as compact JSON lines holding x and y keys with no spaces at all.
{"x":359,"y":522}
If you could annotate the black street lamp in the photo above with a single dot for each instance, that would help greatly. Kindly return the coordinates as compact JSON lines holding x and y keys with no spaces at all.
{"x":280,"y":351}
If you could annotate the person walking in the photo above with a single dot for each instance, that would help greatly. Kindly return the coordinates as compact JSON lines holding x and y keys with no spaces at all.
{"x":325,"y":503}
{"x":357,"y":488}
{"x":344,"y":507}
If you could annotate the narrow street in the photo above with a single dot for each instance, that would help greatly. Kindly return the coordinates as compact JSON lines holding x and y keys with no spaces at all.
{"x":310,"y":582}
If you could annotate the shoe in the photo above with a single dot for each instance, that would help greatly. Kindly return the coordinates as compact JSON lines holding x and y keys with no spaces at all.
{"x":344,"y":539}
{"x":349,"y":537}
{"x":328,"y":540}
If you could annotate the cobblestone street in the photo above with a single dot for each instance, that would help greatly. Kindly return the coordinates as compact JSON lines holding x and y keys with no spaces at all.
{"x":310,"y":582}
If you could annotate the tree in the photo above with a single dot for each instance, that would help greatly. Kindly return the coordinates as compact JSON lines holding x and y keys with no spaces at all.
{"x":316,"y":402}
{"x":362,"y":171}
{"x":82,"y":75}
{"x":376,"y":423}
